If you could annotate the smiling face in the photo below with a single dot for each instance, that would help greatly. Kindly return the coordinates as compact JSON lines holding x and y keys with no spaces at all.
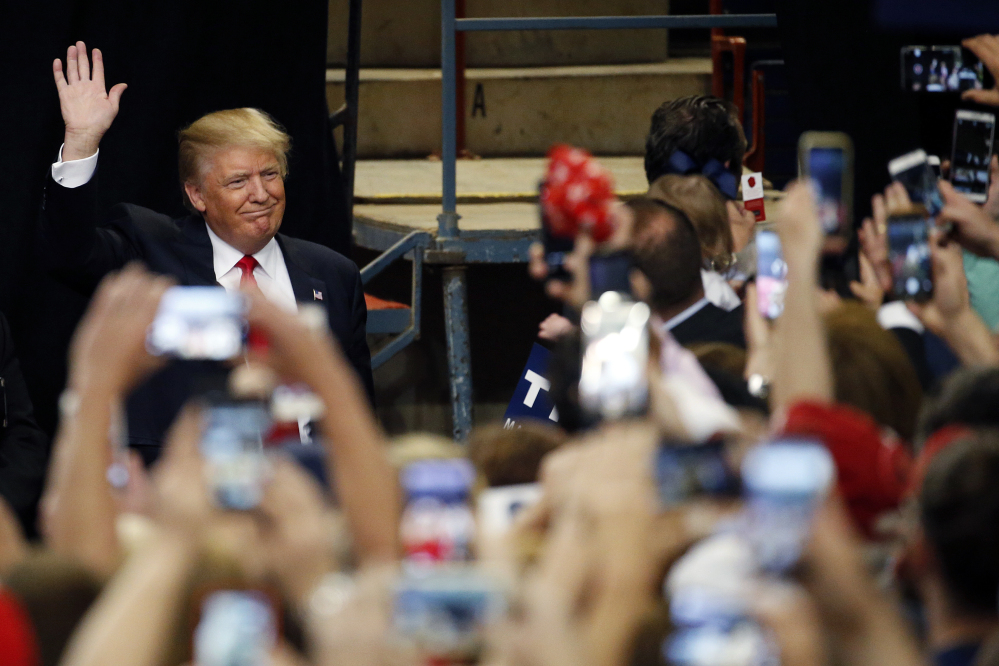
{"x":241,"y":196}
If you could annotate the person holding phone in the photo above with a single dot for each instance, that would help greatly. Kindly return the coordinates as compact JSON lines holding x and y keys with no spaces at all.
{"x":232,"y":167}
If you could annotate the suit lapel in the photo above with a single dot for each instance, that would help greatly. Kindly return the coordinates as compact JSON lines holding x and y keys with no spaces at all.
{"x":307,"y":289}
{"x":197,"y":256}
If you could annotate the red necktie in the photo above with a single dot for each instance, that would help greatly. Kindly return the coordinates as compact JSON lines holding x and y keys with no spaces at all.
{"x":246,"y":265}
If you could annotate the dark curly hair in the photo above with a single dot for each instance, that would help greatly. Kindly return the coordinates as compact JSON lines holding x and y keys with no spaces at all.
{"x":702,"y":126}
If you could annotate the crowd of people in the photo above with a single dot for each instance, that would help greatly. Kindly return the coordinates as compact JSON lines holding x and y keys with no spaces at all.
{"x":816,"y":489}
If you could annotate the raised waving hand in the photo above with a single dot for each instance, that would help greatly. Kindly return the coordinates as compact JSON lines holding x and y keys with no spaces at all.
{"x":88,"y":109}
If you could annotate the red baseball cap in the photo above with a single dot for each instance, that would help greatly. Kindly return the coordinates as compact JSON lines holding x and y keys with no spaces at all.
{"x":872,"y":468}
{"x":18,"y":645}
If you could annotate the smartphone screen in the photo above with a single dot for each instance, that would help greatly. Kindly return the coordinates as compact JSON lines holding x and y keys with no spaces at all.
{"x":198,"y":323}
{"x":557,"y":249}
{"x":909,"y":255}
{"x":942,"y":69}
{"x":914,"y":171}
{"x":232,"y":443}
{"x":446,"y":611}
{"x":497,"y":508}
{"x":969,"y":168}
{"x":684,"y":471}
{"x":610,"y":272}
{"x":612,"y":379}
{"x":236,"y":627}
{"x":784,"y":481}
{"x":934,"y":162}
{"x":825,"y":167}
{"x":771,"y":274}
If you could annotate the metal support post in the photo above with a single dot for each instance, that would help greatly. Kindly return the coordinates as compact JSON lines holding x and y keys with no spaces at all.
{"x":352,"y":85}
{"x":458,"y":352}
{"x":447,"y":221}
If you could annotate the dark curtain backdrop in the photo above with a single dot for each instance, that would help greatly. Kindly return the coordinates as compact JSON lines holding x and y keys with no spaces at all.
{"x":180,"y":59}
{"x":843,"y":70}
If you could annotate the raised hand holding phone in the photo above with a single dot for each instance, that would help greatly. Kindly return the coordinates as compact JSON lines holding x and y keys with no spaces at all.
{"x":971,"y":226}
{"x":949,"y":313}
{"x":986,"y":47}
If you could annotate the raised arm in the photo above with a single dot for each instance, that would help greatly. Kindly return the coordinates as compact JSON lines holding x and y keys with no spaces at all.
{"x":78,"y":250}
{"x":802,"y":365}
{"x":107,"y":359}
{"x":365,"y":480}
{"x":88,"y":109}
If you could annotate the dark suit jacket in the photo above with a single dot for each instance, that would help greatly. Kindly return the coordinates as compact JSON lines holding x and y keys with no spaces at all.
{"x":712,"y":324}
{"x":82,"y":252}
{"x":24,"y":448}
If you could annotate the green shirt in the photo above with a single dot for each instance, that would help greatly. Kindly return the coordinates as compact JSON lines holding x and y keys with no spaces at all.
{"x":983,"y":284}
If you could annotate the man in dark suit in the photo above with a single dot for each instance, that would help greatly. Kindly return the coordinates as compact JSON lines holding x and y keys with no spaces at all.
{"x":232,"y":169}
{"x":24,"y":448}
{"x":668,"y":255}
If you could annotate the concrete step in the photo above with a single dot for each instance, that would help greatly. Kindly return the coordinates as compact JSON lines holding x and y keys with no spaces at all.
{"x":406,"y":33}
{"x":519,"y":111}
{"x":496,"y":180}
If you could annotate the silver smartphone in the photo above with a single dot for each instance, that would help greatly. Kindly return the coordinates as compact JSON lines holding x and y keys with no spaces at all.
{"x":974,"y":132}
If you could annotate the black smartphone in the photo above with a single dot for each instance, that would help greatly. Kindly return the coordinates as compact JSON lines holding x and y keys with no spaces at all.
{"x":943,"y":69}
{"x":771,"y":273}
{"x":232,"y":444}
{"x":909,"y":255}
{"x":557,"y":249}
{"x":826,"y":158}
{"x":974,"y":132}
{"x":916,"y":173}
{"x":610,"y":272}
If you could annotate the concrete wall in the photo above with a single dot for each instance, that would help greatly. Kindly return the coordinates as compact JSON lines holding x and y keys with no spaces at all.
{"x":520,"y":111}
{"x":406,"y":33}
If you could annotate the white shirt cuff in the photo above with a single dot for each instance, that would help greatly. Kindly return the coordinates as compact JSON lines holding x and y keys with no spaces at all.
{"x":897,"y":315}
{"x":75,"y":172}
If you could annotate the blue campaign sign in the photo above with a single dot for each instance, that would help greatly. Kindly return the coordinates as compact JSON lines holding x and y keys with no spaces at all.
{"x":532,"y":399}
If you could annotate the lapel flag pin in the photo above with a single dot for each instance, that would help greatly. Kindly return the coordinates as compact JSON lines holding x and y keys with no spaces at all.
{"x":317,"y":295}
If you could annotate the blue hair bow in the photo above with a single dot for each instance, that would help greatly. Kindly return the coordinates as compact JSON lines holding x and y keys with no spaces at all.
{"x":682,"y":164}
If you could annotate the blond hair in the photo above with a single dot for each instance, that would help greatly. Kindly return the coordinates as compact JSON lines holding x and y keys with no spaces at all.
{"x":700,"y":200}
{"x":249,"y":128}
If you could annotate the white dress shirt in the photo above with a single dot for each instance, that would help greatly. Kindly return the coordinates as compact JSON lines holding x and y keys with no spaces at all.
{"x":719,"y":291}
{"x":271,"y":272}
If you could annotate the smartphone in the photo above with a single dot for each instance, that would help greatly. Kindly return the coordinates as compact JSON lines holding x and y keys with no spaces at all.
{"x":934,"y":162}
{"x":615,"y":336}
{"x":721,"y":641}
{"x":771,"y":274}
{"x":942,"y":69}
{"x":909,"y":255}
{"x":232,"y":444}
{"x":557,"y":250}
{"x":236,"y":627}
{"x":914,"y":172}
{"x":684,"y":471}
{"x":445,"y":611}
{"x":198,"y":323}
{"x":497,"y":508}
{"x":826,"y":159}
{"x":785,"y":481}
{"x":974,"y":132}
{"x":610,"y":272}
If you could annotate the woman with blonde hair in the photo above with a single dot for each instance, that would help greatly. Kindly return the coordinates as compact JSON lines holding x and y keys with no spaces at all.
{"x":700,"y":200}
